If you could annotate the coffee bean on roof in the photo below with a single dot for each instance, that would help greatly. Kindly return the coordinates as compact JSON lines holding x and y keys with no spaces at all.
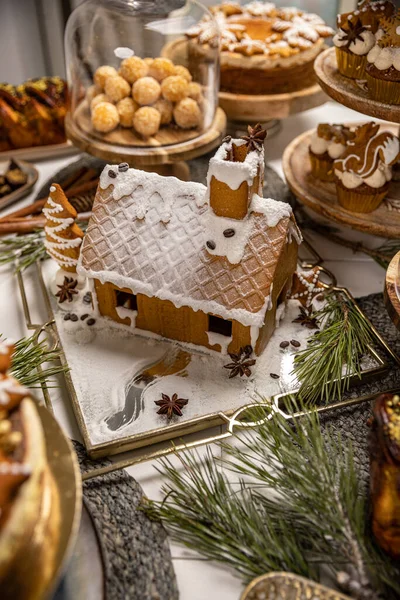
{"x":74,"y":317}
{"x":210,"y":244}
{"x":112,"y":174}
{"x":123,"y":167}
{"x":228,"y":233}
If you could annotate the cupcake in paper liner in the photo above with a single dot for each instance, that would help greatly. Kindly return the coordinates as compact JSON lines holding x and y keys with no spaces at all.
{"x":363,"y":172}
{"x":327,"y":143}
{"x":353,"y":41}
{"x":383,"y":63}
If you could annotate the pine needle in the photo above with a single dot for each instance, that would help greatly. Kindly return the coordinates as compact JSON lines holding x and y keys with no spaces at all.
{"x":334,"y":354}
{"x":28,"y":357}
{"x":22,"y":251}
{"x":298,"y":505}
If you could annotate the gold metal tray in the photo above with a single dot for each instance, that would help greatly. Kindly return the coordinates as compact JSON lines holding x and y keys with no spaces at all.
{"x":176,"y":436}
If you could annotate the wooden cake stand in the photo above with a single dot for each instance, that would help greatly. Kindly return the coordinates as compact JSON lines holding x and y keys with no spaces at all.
{"x":392,"y":290}
{"x":168,"y":147}
{"x":350,"y":92}
{"x":321,"y":196}
{"x":246,"y":108}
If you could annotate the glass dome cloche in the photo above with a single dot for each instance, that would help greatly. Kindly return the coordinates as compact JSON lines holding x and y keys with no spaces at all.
{"x":134,"y":77}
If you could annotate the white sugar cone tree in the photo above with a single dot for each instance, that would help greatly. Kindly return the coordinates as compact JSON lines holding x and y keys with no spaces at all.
{"x":63,"y":235}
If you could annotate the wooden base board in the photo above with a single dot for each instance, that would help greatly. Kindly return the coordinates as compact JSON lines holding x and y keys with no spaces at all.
{"x":176,"y":149}
{"x":348,"y":92}
{"x":392,"y":283}
{"x":321,"y":196}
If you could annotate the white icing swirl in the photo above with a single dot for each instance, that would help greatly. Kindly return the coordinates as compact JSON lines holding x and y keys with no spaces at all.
{"x":384,"y":58}
{"x":319,"y":146}
{"x":360,"y":47}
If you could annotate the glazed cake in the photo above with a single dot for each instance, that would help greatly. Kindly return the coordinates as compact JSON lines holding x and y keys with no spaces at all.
{"x":363,"y":172}
{"x":264,"y":49}
{"x":29,"y":508}
{"x":203,"y":265}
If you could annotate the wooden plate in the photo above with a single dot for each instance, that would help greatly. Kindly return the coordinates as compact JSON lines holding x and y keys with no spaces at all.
{"x":254,"y":108}
{"x":321,"y":196}
{"x":392,"y":290}
{"x":41,"y":152}
{"x":348,"y":92}
{"x":24,"y":189}
{"x":168,"y":146}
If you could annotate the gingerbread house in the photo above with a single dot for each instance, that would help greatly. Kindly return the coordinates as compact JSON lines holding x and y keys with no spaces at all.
{"x":205,"y":265}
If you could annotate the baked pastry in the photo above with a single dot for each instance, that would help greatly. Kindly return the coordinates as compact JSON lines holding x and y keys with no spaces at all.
{"x":264,"y":49}
{"x":353,"y":41}
{"x":383,"y":68}
{"x":205,"y":265}
{"x":146,"y":94}
{"x":363,"y":172}
{"x":32,"y":114}
{"x":327,"y":143}
{"x":370,"y":13}
{"x":29,"y":503}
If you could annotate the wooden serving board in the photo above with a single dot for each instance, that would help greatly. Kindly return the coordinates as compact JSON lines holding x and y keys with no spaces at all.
{"x":168,"y":146}
{"x":321,"y":196}
{"x":392,"y":282}
{"x":253,"y":108}
{"x":348,"y":91}
{"x":35,"y":153}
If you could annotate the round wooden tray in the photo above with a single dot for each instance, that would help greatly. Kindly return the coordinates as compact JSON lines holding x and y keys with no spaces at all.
{"x":321,"y":196}
{"x":253,"y":108}
{"x":169,"y":146}
{"x":348,"y":92}
{"x":392,"y":300}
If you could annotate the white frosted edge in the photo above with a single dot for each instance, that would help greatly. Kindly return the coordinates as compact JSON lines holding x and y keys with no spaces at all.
{"x":125,"y":183}
{"x":207,"y":306}
{"x":273,"y":210}
{"x":217,"y":339}
{"x":234,"y":173}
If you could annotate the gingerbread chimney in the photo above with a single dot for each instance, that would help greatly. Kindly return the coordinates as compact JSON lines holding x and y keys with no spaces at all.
{"x":235,"y":173}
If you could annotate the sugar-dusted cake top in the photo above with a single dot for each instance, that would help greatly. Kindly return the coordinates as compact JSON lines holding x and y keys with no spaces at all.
{"x":368,"y":157}
{"x":160,"y":237}
{"x":368,"y":12}
{"x":286,"y":31}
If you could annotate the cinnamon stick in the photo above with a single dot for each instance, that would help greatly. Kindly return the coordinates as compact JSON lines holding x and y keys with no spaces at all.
{"x":38,"y":205}
{"x":29,"y":224}
{"x":74,"y":178}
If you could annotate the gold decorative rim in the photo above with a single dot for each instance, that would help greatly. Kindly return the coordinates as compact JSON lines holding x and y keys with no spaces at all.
{"x":288,"y":585}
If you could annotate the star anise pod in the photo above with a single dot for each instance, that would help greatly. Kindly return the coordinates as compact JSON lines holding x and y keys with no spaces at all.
{"x":306,"y":318}
{"x":67,"y":289}
{"x":255,"y":138}
{"x":241,"y":362}
{"x":170,"y":406}
{"x":353,"y":32}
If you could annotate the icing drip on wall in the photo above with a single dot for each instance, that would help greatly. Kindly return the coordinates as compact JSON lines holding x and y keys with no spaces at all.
{"x":217,"y":339}
{"x":55,"y":248}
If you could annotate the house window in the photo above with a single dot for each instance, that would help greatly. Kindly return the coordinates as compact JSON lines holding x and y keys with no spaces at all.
{"x":126,"y":300}
{"x":218,"y":325}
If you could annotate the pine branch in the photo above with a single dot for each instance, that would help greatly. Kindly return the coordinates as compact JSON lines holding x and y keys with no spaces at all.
{"x":334,"y":353}
{"x":22,"y":250}
{"x":300,"y":506}
{"x":28,"y":357}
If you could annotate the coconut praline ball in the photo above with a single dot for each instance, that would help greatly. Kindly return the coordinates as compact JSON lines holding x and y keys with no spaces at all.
{"x":126,"y":109}
{"x":187,"y":113}
{"x":97,"y":99}
{"x":146,"y":121}
{"x":161,"y":68}
{"x":133,"y":68}
{"x":174,"y":88}
{"x":183,"y":72}
{"x":146,"y":91}
{"x":102,"y":74}
{"x":117,"y":88}
{"x":164,"y":107}
{"x":105,"y":117}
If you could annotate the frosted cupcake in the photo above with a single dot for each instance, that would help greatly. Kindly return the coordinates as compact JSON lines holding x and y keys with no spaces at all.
{"x":383,"y":63}
{"x":327,"y":143}
{"x":363,"y":172}
{"x":353,"y":41}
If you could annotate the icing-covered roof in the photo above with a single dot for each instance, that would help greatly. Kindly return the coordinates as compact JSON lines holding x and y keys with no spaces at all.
{"x":148,"y":233}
